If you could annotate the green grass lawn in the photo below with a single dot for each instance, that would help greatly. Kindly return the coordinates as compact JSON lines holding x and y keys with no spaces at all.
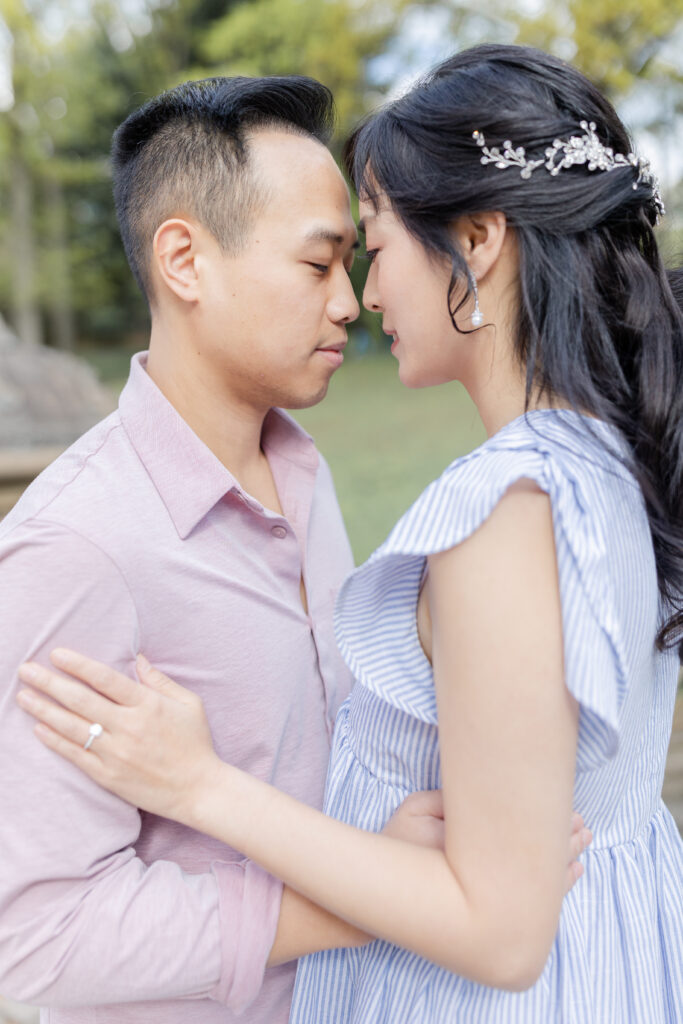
{"x":383,"y":442}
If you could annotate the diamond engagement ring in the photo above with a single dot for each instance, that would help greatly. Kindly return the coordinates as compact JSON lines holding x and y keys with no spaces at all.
{"x":94,"y":731}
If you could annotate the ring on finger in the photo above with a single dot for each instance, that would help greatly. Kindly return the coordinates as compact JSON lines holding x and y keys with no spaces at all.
{"x":94,"y":731}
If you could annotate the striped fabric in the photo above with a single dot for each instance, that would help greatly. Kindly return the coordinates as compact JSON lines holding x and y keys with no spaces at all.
{"x":618,"y":954}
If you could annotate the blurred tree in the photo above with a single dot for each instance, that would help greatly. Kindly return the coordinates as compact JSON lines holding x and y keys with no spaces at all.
{"x":331,"y":40}
{"x":62,"y":271}
{"x":22,"y":144}
{"x":615,"y":42}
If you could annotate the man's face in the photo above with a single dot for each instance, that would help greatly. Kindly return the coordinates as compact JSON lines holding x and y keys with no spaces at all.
{"x":275,"y":314}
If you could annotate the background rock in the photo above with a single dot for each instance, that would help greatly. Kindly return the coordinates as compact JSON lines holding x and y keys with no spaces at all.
{"x":15,"y":1013}
{"x":47,"y":397}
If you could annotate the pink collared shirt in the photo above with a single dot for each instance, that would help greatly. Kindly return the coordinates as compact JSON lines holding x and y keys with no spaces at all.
{"x":139,"y":539}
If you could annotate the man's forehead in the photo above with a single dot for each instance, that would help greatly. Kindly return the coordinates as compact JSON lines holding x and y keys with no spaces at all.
{"x":280,"y":154}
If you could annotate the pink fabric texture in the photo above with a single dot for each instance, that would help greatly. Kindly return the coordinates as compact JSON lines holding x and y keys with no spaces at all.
{"x":139,"y":539}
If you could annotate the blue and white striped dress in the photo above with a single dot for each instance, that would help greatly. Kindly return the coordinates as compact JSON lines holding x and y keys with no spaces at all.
{"x":618,"y":954}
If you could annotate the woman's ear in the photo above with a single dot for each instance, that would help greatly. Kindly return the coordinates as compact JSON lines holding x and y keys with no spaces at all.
{"x":481,"y":237}
{"x":174,"y":254}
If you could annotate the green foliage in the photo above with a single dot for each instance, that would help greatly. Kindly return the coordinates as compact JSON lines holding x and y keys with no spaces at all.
{"x":330,"y":40}
{"x":615,"y":42}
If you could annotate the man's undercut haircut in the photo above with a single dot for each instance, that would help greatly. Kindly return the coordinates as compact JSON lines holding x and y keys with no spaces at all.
{"x":186,"y":153}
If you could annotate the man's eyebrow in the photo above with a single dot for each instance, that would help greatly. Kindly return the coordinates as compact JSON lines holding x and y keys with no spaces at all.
{"x":325,"y":235}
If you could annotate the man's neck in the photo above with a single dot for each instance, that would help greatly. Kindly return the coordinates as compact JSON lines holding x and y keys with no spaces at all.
{"x":230,"y":428}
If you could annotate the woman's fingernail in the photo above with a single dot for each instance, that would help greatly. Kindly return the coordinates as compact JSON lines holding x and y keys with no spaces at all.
{"x":578,"y":869}
{"x":28,"y":672}
{"x":26,"y":699}
{"x":586,"y":837}
{"x":143,"y":663}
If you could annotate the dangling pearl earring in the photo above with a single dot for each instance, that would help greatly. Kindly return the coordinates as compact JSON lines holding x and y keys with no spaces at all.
{"x":477,"y":316}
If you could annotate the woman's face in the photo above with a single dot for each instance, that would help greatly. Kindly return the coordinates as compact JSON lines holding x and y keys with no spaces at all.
{"x":410,"y":289}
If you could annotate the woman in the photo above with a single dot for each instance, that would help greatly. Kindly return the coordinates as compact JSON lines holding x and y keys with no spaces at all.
{"x":527,"y":606}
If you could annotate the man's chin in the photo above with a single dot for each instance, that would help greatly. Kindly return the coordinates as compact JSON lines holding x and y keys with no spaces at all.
{"x":308,"y":400}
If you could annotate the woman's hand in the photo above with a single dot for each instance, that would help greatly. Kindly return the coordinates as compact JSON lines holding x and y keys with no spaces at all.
{"x":155,"y":749}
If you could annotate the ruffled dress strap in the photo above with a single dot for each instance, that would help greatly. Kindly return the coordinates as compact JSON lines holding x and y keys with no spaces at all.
{"x":376,"y":609}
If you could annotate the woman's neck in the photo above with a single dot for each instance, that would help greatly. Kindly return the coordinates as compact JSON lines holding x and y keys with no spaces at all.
{"x":496,"y":381}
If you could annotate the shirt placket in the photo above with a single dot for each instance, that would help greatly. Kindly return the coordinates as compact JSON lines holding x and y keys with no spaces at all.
{"x":295,"y":484}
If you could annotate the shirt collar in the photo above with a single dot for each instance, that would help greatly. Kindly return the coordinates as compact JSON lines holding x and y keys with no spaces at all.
{"x":190,"y":479}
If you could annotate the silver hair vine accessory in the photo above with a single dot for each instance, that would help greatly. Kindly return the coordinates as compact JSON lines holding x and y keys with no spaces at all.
{"x":578,"y":149}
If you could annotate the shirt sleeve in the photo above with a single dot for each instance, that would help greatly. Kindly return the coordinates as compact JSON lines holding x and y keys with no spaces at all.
{"x":82,"y":919}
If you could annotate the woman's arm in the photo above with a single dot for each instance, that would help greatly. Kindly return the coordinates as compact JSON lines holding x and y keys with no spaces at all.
{"x":487,"y":906}
{"x":304,"y":927}
{"x":507,"y":722}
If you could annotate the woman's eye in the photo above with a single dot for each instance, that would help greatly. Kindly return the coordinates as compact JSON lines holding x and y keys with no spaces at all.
{"x":369,"y":255}
{"x":322,"y":268}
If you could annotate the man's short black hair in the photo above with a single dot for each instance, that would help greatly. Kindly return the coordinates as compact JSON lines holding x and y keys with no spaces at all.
{"x":186,"y":152}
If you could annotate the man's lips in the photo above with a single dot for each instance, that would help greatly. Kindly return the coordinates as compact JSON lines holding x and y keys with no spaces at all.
{"x":337,"y":346}
{"x":334,"y":353}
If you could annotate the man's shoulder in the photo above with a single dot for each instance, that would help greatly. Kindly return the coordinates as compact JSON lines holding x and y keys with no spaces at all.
{"x":91,"y":472}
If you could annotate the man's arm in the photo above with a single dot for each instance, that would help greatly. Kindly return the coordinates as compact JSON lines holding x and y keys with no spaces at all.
{"x":82,"y":919}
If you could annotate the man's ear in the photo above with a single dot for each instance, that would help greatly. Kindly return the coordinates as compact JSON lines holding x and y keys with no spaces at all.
{"x":174,"y":253}
{"x":481,"y":237}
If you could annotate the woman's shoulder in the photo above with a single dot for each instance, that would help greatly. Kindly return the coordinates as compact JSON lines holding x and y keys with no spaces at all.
{"x":558,"y":436}
{"x":575,"y":460}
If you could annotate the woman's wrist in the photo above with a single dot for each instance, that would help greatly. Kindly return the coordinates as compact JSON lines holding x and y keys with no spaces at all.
{"x":204,"y":795}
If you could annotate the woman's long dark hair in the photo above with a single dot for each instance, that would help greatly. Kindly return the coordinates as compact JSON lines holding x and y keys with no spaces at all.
{"x":599,"y":324}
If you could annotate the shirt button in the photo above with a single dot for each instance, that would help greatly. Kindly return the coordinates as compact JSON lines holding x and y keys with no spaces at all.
{"x":278,"y":531}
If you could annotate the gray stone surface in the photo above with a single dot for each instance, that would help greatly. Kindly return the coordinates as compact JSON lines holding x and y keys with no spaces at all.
{"x":15,"y":1013}
{"x":47,"y":397}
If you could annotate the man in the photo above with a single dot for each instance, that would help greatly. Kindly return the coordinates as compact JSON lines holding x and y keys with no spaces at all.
{"x":199,"y":525}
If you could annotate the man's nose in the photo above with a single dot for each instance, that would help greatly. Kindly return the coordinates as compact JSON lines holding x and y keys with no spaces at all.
{"x":344,"y":307}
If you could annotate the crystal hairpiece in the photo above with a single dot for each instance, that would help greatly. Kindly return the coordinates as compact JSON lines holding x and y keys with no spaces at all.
{"x":579,"y":149}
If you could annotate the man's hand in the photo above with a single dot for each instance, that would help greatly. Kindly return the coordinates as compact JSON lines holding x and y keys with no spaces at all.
{"x":419,"y":819}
